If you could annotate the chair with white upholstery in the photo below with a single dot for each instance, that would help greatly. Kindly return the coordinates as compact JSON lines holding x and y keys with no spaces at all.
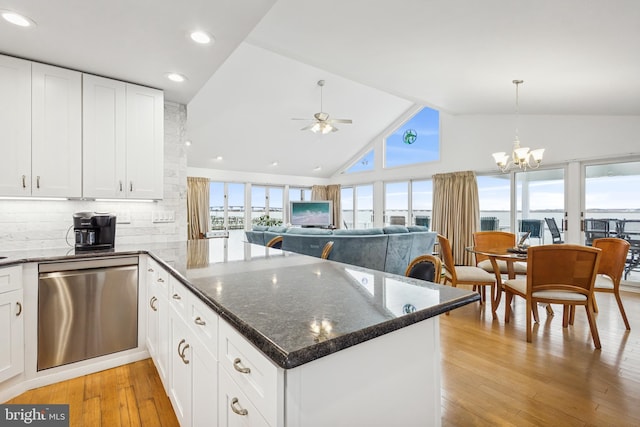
{"x":557,"y":274}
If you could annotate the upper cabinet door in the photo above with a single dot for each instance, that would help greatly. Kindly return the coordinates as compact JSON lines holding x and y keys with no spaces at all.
{"x":145,"y":142}
{"x":103,"y":137}
{"x":15,"y":127}
{"x":56,"y":143}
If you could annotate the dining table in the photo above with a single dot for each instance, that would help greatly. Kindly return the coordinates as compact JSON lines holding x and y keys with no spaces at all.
{"x":507,"y":254}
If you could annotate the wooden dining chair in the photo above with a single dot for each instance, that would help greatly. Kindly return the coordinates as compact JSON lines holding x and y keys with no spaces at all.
{"x":326,"y":250}
{"x":610,"y":269}
{"x":485,"y":240}
{"x":276,"y":242}
{"x":465,"y":274}
{"x":425,"y":267}
{"x":557,"y":274}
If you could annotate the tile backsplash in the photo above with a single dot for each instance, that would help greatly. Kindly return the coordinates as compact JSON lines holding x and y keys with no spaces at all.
{"x":41,"y":224}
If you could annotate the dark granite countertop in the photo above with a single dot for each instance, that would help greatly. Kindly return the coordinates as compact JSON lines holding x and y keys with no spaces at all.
{"x":293,"y":307}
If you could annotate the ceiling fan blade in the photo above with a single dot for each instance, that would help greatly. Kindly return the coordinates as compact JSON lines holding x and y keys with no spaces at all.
{"x":308,"y":127}
{"x":298,"y":118}
{"x":347,"y":121}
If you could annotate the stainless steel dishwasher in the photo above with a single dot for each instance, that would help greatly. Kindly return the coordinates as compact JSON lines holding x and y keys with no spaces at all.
{"x":86,"y":309}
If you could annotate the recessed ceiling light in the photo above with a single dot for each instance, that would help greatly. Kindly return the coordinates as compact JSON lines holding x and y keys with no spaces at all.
{"x":176,"y":77}
{"x":187,"y":143}
{"x":201,"y":37}
{"x":16,"y":18}
{"x":219,"y":158}
{"x":317,"y":168}
{"x":274,"y":163}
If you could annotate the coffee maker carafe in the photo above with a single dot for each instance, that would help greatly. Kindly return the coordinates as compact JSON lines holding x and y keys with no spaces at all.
{"x":94,"y":231}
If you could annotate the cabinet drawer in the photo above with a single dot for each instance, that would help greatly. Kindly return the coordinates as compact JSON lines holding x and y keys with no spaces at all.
{"x":256,"y":376}
{"x":10,"y":279}
{"x":234,"y":407}
{"x":157,"y":278}
{"x":204,"y":323}
{"x":178,"y":297}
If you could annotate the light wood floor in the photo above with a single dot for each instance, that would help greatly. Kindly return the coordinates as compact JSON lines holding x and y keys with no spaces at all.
{"x":129,"y":395}
{"x":491,"y":375}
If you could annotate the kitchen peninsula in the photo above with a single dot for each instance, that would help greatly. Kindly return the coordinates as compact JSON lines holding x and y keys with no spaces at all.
{"x":282,"y":339}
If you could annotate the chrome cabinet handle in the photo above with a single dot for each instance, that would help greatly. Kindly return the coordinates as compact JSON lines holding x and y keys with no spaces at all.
{"x":235,"y":407}
{"x":181,"y":351}
{"x":121,"y":186}
{"x":24,"y":181}
{"x":38,"y":181}
{"x":198,"y":321}
{"x":152,"y":303}
{"x":150,"y":270}
{"x":130,"y":185}
{"x":19,"y":305}
{"x":160,"y":279}
{"x":176,"y":296}
{"x":238,"y":366}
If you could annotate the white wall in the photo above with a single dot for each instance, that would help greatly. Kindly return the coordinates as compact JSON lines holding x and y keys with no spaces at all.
{"x":39,"y":224}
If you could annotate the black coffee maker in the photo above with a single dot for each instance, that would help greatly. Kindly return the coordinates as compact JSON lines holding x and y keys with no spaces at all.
{"x":94,"y":231}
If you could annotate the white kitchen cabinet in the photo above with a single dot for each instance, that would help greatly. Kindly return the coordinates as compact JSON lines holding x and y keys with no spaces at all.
{"x":235,"y":408}
{"x":145,"y":142}
{"x":157,"y":340}
{"x":193,"y":366}
{"x":11,"y":323}
{"x":56,"y":131}
{"x":122,"y":139}
{"x":103,"y":137}
{"x":15,"y":127}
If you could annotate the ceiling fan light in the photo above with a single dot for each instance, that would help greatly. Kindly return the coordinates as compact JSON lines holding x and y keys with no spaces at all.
{"x":315,"y":128}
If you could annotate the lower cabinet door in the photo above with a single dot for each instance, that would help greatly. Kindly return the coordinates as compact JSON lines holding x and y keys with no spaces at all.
{"x":11,"y":334}
{"x":235,"y":409}
{"x":180,"y":370}
{"x":163,"y":348}
{"x":204,"y":395}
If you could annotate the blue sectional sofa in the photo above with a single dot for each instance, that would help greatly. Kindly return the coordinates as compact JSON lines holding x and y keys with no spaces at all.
{"x":387,"y":249}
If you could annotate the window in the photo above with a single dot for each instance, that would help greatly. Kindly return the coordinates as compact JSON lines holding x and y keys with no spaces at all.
{"x":299,"y":194}
{"x":417,"y":141}
{"x":364,"y":164}
{"x":422,"y":202}
{"x":266,"y":201}
{"x":540,"y":195}
{"x":396,"y":203}
{"x":357,"y":206}
{"x":494,"y":193}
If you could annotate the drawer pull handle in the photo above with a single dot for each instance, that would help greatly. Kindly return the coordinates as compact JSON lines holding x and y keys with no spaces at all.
{"x":176,"y":296}
{"x":150,"y":270}
{"x":130,"y":185}
{"x":235,"y":407}
{"x":38,"y":181}
{"x":237,"y":365}
{"x":152,"y":303}
{"x":24,"y":181}
{"x":121,"y":186}
{"x":160,"y":279}
{"x":199,"y":321}
{"x":19,"y":305}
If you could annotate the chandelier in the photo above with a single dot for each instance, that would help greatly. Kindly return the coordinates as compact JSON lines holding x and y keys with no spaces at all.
{"x":521,"y":157}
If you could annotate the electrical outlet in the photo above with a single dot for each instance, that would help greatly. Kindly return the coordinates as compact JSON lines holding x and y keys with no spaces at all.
{"x":123,"y":217}
{"x":163,"y":216}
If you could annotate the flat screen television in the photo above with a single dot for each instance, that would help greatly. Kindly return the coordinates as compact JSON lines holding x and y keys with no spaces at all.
{"x":316,"y":213}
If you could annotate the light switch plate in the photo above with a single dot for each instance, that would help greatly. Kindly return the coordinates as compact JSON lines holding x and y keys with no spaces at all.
{"x":123,"y":217}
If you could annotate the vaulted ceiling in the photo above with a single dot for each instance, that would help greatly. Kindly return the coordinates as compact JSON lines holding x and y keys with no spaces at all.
{"x":378,"y":59}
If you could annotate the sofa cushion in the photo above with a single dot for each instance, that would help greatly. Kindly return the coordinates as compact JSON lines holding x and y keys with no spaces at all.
{"x":413,"y":228}
{"x":358,"y":231}
{"x":394,"y":229}
{"x":278,"y":229}
{"x":312,"y":231}
{"x":260,"y":227}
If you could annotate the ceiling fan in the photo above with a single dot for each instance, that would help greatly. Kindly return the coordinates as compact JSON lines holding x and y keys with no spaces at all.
{"x":321,"y":121}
